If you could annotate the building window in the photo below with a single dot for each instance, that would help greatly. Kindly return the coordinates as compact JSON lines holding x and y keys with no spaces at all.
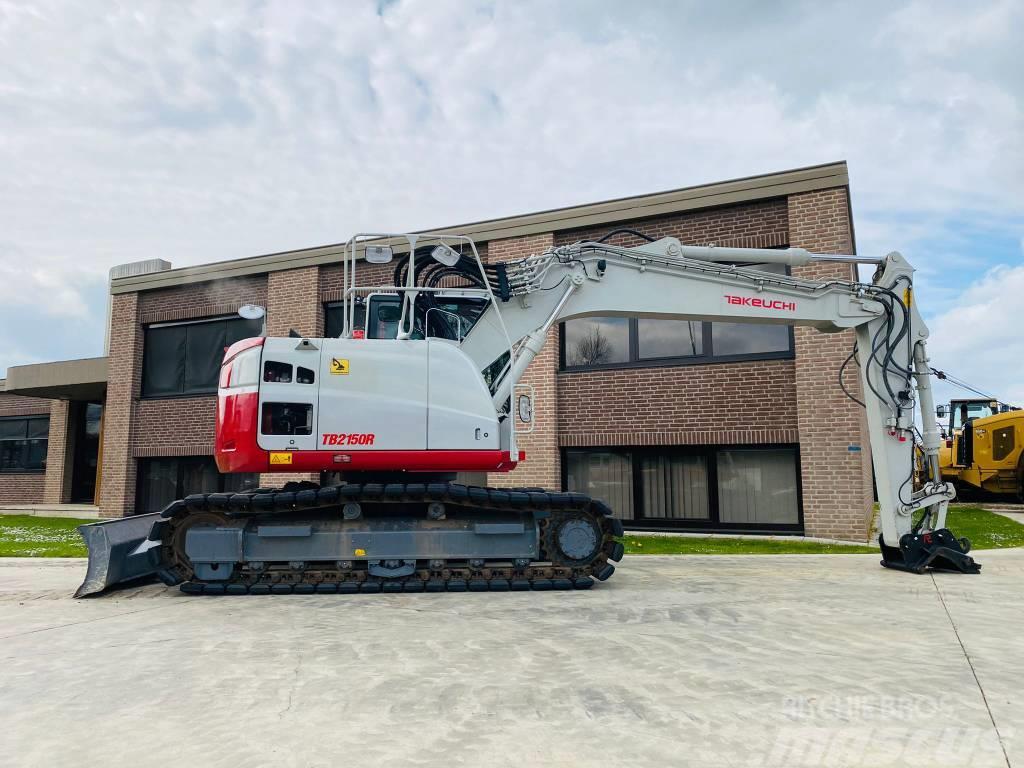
{"x":618,"y":342}
{"x":163,"y":480}
{"x":702,"y":488}
{"x":23,"y":443}
{"x":185,"y":358}
{"x":334,"y":319}
{"x":595,"y":341}
{"x":605,"y":475}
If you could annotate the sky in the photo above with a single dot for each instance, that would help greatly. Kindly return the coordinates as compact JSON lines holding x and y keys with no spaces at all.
{"x":203,"y":131}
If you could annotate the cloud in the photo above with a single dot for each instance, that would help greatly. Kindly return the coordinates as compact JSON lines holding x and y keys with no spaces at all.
{"x":979,"y":340}
{"x":196,"y":132}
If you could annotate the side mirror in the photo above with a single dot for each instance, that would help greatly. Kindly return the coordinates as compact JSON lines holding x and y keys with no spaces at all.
{"x":525,"y":407}
{"x":940,"y":411}
{"x":379,"y":254}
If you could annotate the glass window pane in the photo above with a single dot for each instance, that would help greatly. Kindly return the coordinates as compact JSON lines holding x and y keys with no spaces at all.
{"x":10,"y":454}
{"x":669,"y":338}
{"x":604,"y":475}
{"x":34,"y":454}
{"x":596,"y":341}
{"x":39,"y":427}
{"x":334,"y":319}
{"x":199,"y":476}
{"x":748,"y":338}
{"x":158,"y":484}
{"x":675,"y":487}
{"x":304,"y":376}
{"x":238,"y":329}
{"x":164,"y":367}
{"x":204,"y":352}
{"x":757,"y":486}
{"x":12,"y":429}
{"x":93,"y":416}
{"x":751,"y":338}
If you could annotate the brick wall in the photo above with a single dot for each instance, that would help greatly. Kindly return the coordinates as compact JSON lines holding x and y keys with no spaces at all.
{"x":542,"y":467}
{"x":23,"y":487}
{"x":57,"y":489}
{"x":117,"y":492}
{"x":743,"y":402}
{"x":753,"y":225}
{"x":836,"y":481}
{"x":198,"y":300}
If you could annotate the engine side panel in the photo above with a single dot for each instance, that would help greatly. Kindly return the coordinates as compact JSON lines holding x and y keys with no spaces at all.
{"x":373,"y":395}
{"x":462,"y":415}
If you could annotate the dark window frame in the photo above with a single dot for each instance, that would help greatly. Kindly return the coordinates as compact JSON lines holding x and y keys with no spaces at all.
{"x":180,"y":470}
{"x":709,"y":452}
{"x":200,"y":392}
{"x":23,"y":470}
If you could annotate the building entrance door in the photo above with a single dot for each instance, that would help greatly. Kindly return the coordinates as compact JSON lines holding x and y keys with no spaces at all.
{"x":86,"y":419}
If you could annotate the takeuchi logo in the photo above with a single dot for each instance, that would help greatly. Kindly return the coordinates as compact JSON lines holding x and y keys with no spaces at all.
{"x":750,"y":301}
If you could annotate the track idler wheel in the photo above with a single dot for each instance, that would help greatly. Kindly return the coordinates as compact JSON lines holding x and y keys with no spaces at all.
{"x":573,"y":538}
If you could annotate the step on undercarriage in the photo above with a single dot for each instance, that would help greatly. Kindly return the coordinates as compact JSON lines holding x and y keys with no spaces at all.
{"x":376,"y":537}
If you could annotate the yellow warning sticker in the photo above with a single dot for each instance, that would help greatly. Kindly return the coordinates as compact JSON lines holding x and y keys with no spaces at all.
{"x":280,"y":458}
{"x":360,"y":553}
{"x":339,"y":366}
{"x":907,"y":297}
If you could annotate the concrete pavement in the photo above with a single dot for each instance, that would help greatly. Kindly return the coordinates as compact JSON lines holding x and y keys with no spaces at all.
{"x":676,"y":661}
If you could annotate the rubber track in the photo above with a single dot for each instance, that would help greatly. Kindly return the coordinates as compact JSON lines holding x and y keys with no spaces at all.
{"x":493,"y":576}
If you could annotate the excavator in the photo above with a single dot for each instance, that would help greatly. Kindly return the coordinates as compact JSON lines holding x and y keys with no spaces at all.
{"x":425,"y":381}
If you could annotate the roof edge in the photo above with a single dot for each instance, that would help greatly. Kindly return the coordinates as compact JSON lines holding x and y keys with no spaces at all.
{"x":731,"y":192}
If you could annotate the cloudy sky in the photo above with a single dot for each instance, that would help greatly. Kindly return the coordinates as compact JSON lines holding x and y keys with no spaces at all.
{"x":203,"y":131}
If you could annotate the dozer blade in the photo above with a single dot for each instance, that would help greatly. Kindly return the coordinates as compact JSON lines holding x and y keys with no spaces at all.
{"x":939,"y":550}
{"x":117,"y":552}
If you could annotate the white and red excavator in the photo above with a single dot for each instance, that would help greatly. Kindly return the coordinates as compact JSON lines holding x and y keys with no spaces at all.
{"x":424,"y":381}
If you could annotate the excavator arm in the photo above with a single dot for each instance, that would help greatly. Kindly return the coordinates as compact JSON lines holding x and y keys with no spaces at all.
{"x":668,"y":280}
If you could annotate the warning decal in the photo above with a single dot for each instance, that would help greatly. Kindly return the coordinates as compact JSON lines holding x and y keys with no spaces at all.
{"x":280,"y":458}
{"x":339,"y":366}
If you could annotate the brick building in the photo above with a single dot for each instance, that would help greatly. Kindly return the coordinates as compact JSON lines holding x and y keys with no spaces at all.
{"x":694,"y":426}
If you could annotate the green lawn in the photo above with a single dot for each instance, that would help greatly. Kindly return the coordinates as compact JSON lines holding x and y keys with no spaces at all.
{"x":985,"y":529}
{"x":27,"y":536}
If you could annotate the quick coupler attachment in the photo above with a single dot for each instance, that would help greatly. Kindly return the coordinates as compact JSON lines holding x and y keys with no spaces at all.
{"x":939,"y":550}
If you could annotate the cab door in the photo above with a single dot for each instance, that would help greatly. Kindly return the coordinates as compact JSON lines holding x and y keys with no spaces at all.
{"x":288,"y":394}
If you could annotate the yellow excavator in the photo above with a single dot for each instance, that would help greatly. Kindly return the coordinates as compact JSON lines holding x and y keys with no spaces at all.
{"x":984,"y":448}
